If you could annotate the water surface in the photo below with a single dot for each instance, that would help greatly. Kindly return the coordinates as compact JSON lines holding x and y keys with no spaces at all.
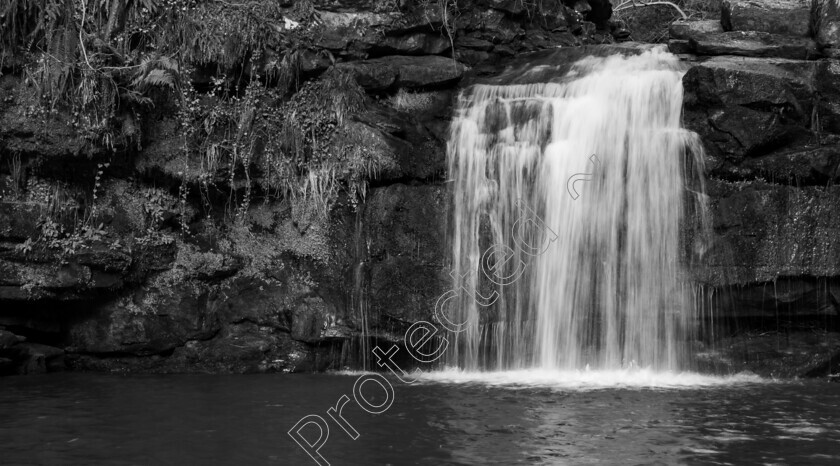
{"x":132,"y":420}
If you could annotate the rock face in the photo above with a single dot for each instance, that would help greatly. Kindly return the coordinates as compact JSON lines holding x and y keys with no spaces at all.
{"x":138,"y":251}
{"x":162,"y":262}
{"x":763,"y":107}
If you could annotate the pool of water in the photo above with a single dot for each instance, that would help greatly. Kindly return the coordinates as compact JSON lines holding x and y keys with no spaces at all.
{"x":445,"y":418}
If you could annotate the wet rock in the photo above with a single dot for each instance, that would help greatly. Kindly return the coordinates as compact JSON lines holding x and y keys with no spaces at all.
{"x":775,"y":347}
{"x":309,"y":318}
{"x":677,"y":46}
{"x":747,"y":107}
{"x":827,"y":82}
{"x":34,"y":358}
{"x":827,"y":23}
{"x":245,"y":348}
{"x":406,"y":254}
{"x":749,"y":132}
{"x":339,"y":30}
{"x":763,"y":231}
{"x":400,"y":137}
{"x":7,"y":366}
{"x":683,"y":30}
{"x":414,"y":44}
{"x":754,"y":44}
{"x":473,"y":43}
{"x":9,"y":339}
{"x":785,"y":298}
{"x":405,"y":72}
{"x":148,"y":322}
{"x":800,"y":166}
{"x":751,"y":81}
{"x":774,"y":16}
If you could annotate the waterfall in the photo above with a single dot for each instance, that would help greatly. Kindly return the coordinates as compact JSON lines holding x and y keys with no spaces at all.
{"x":574,"y":195}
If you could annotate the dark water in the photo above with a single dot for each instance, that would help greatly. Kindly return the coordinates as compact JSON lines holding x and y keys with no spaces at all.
{"x":97,"y":419}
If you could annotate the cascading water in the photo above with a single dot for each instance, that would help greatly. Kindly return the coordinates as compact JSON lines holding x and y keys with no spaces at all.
{"x":600,"y":165}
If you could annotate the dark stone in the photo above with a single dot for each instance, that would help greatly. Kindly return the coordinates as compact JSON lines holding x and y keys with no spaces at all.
{"x":751,"y":132}
{"x":472,"y":57}
{"x":490,"y":25}
{"x":774,"y":16}
{"x":381,"y":74}
{"x":473,"y":43}
{"x":35,"y":358}
{"x":405,"y":227}
{"x":747,"y":107}
{"x":751,"y":82}
{"x":19,"y":221}
{"x":763,"y":231}
{"x":827,"y":82}
{"x":406,"y":150}
{"x":149,"y":322}
{"x":778,"y":348}
{"x":754,"y":44}
{"x":679,"y":46}
{"x":799,"y":167}
{"x":9,"y":339}
{"x":827,"y":23}
{"x":244,"y":348}
{"x":418,"y":43}
{"x":683,"y":30}
{"x":784,"y":298}
{"x":313,"y":62}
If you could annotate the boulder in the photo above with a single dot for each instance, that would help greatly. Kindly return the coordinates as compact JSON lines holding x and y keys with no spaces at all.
{"x":381,"y":74}
{"x":748,"y":107}
{"x":751,"y":132}
{"x":751,"y":82}
{"x":35,"y":358}
{"x":683,"y":30}
{"x":754,"y":44}
{"x":9,"y":339}
{"x":418,"y":43}
{"x":827,"y":24}
{"x":677,"y":46}
{"x":790,"y":17}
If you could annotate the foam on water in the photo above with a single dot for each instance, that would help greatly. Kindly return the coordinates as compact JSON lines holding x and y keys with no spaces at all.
{"x":589,"y":379}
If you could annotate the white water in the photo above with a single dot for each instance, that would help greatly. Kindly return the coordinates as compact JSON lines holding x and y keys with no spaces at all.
{"x":609,"y":292}
{"x":585,"y":379}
